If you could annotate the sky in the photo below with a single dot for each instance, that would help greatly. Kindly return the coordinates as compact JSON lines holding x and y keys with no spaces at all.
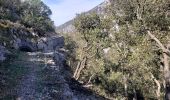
{"x":65,"y":10}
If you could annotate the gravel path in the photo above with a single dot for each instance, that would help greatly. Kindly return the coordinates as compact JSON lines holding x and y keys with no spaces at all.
{"x":28,"y":87}
{"x":44,"y":80}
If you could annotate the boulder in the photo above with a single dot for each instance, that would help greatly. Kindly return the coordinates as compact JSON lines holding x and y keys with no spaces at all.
{"x":59,"y":58}
{"x":47,"y":44}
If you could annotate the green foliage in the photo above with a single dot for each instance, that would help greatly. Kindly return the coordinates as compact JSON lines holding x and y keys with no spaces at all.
{"x":31,"y":13}
{"x":132,"y":66}
{"x":88,"y":25}
{"x":36,"y":14}
{"x":86,"y":22}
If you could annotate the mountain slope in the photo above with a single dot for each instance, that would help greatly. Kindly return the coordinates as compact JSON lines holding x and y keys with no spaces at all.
{"x":32,"y":64}
{"x":69,"y":28}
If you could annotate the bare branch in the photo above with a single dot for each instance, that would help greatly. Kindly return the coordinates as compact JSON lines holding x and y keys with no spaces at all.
{"x":158,"y":91}
{"x":87,"y":86}
{"x":82,"y":66}
{"x":164,"y":49}
{"x":89,"y":79}
{"x":75,"y":73}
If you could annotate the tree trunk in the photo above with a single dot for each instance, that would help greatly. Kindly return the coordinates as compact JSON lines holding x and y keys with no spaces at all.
{"x":77,"y":68}
{"x":125,"y":86}
{"x":158,"y":91}
{"x":82,"y":66}
{"x":166,"y":76}
{"x":166,"y":64}
{"x":135,"y":95}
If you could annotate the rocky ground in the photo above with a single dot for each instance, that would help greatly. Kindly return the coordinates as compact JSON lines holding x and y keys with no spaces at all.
{"x":45,"y":78}
{"x":38,"y":71}
{"x":30,"y":87}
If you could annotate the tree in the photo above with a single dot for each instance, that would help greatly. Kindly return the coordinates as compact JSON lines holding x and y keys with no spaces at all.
{"x":31,"y":13}
{"x":36,"y":14}
{"x":152,"y":18}
{"x":136,"y":62}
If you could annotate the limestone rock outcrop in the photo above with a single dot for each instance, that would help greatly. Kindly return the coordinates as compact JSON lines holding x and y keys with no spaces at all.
{"x":24,"y":45}
{"x":48,"y":44}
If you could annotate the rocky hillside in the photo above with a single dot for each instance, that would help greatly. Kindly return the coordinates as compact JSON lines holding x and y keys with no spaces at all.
{"x":69,"y":28}
{"x":22,"y":24}
{"x":125,"y":54}
{"x":32,"y":60}
{"x":121,"y":53}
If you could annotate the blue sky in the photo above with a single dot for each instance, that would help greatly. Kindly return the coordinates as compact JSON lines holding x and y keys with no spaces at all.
{"x":64,"y":10}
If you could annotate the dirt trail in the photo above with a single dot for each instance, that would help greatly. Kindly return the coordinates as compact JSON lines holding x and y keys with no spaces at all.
{"x":30,"y":87}
{"x":44,"y":79}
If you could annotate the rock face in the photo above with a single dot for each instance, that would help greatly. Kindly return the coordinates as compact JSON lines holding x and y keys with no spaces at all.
{"x":48,"y":44}
{"x":3,"y":53}
{"x":45,"y":44}
{"x":24,"y":45}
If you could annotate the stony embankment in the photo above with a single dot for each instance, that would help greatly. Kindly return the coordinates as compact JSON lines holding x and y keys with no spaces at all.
{"x":42,"y":73}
